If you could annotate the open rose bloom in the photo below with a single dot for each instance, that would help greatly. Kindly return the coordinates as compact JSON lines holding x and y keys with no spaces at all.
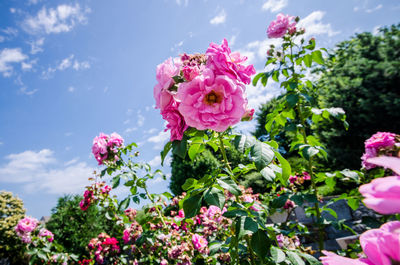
{"x":203,"y":91}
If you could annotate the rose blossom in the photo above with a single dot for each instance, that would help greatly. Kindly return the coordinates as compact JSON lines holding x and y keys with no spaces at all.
{"x":99,"y":147}
{"x":164,"y":73}
{"x":46,"y":233}
{"x":176,"y":122}
{"x":280,"y":26}
{"x":211,"y":103}
{"x":199,"y":242}
{"x":27,"y":224}
{"x":380,"y":246}
{"x":380,"y":139}
{"x":222,"y":61}
{"x":387,"y":162}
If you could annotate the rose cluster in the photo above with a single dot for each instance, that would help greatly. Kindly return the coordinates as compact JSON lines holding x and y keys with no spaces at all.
{"x":381,"y":143}
{"x":97,"y":191}
{"x":105,"y":147}
{"x":203,"y":91}
{"x":282,"y":25}
{"x":103,"y":246}
{"x":25,"y":227}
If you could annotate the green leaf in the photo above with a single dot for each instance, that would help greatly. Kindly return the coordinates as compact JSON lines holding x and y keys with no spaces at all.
{"x":165,"y":152}
{"x":214,"y":247}
{"x":194,"y":149}
{"x":235,"y":213}
{"x":309,"y":152}
{"x":214,"y":196}
{"x":245,"y":226}
{"x":262,"y":154}
{"x":307,"y":60}
{"x":331,"y":212}
{"x":310,"y":259}
{"x":124,"y":203}
{"x":294,"y":258}
{"x":179,"y":147}
{"x":277,"y":254}
{"x":189,"y":183}
{"x":115,"y":181}
{"x":292,"y":99}
{"x":242,"y":142}
{"x":133,"y":190}
{"x":353,"y":203}
{"x":275,"y":76}
{"x":260,"y":243}
{"x":228,"y":184}
{"x":286,"y":168}
{"x":285,"y":72}
{"x":317,"y":57}
{"x":213,"y":145}
{"x":268,"y":174}
{"x":256,"y":78}
{"x":191,"y":205}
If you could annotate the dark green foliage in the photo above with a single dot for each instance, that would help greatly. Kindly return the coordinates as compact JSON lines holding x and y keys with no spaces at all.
{"x":362,"y":77}
{"x":207,"y":162}
{"x":73,"y":228}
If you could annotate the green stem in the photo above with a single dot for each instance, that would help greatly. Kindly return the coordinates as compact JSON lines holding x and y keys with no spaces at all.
{"x":252,"y":259}
{"x":221,"y":145}
{"x":158,"y":210}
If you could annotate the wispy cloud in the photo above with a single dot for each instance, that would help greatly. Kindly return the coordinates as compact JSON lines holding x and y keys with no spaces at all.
{"x":161,"y":138}
{"x":314,"y":25}
{"x":40,"y":171}
{"x":374,"y":8}
{"x":9,"y":57}
{"x":71,"y":89}
{"x":275,"y":5}
{"x":66,"y":63}
{"x":25,"y":91}
{"x":140,"y":119}
{"x":36,"y":45}
{"x":219,"y":19}
{"x":63,"y":18}
{"x":182,"y":2}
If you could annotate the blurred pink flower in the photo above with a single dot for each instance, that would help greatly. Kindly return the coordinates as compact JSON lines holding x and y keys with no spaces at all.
{"x":224,"y":62}
{"x":27,"y":224}
{"x":47,"y":234}
{"x":212,"y":103}
{"x":280,"y":26}
{"x":199,"y":242}
{"x":387,"y":162}
{"x":164,"y":73}
{"x":176,"y":122}
{"x":99,"y":147}
{"x":380,"y":139}
{"x":380,"y":246}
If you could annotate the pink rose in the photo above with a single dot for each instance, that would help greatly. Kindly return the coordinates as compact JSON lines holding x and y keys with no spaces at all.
{"x":27,"y":224}
{"x":47,"y":234}
{"x":115,"y":140}
{"x":380,"y":139}
{"x":176,"y":122}
{"x":199,"y":242}
{"x":164,"y":73}
{"x":211,"y":103}
{"x":99,"y":147}
{"x":190,"y":72}
{"x":280,"y":26}
{"x":289,"y":204}
{"x":222,"y":61}
{"x":369,"y":153}
{"x":248,"y":115}
{"x":387,"y":162}
{"x":381,"y":247}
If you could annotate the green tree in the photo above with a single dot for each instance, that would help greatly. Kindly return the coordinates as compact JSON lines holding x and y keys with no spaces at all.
{"x":363,"y":77}
{"x":11,"y":211}
{"x":73,"y":228}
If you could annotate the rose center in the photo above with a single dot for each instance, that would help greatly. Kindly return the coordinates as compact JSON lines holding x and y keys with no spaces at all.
{"x":212,"y":98}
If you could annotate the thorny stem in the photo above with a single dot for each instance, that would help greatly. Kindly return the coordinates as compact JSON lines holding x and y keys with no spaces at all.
{"x":158,"y":210}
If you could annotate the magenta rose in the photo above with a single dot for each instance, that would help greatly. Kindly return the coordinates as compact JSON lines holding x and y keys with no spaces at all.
{"x":280,"y":26}
{"x":211,"y":103}
{"x":176,"y":122}
{"x":164,"y":73}
{"x":27,"y":224}
{"x":199,"y":242}
{"x":47,"y":234}
{"x":380,"y":246}
{"x":114,"y":141}
{"x":381,"y":139}
{"x":222,"y":61}
{"x":99,"y":147}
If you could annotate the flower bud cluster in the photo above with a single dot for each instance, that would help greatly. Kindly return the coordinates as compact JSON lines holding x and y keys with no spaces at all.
{"x":103,"y":247}
{"x":105,"y":147}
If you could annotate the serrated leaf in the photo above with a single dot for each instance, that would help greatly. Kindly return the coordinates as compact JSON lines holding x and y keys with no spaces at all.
{"x":189,"y":183}
{"x":242,"y":142}
{"x":353,"y":203}
{"x":317,"y":57}
{"x":115,"y":181}
{"x":191,"y":205}
{"x":193,"y":150}
{"x":262,"y":154}
{"x":277,"y":254}
{"x":124,"y":203}
{"x":165,"y":151}
{"x":228,"y":184}
{"x":307,"y":59}
{"x":245,"y":226}
{"x":294,"y":258}
{"x":268,"y":174}
{"x":292,"y":99}
{"x":260,"y":243}
{"x":235,"y":213}
{"x":286,"y":168}
{"x":214,"y":196}
{"x":256,"y":78}
{"x":179,"y":147}
{"x":311,"y":260}
{"x":275,"y":76}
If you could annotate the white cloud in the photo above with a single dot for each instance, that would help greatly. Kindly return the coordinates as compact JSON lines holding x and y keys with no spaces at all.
{"x":160,"y":138}
{"x":67,"y":134}
{"x":156,"y":161}
{"x":130,"y":130}
{"x":41,"y":172}
{"x":71,"y":89}
{"x":275,"y":5}
{"x":150,"y":131}
{"x":2,"y":39}
{"x":374,"y":9}
{"x":63,"y":18}
{"x":1,"y":143}
{"x":36,"y":46}
{"x":66,"y":63}
{"x":12,"y":32}
{"x":314,"y":26}
{"x":182,"y":2}
{"x":8,"y":57}
{"x":24,"y":90}
{"x":140,"y":119}
{"x":219,"y":19}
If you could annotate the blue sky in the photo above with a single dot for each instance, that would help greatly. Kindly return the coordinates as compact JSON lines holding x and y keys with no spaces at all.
{"x":72,"y":69}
